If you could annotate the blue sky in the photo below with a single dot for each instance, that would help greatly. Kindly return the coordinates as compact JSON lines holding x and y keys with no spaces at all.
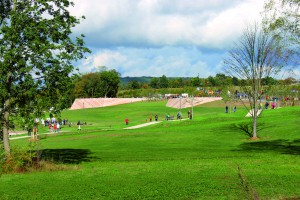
{"x":176,"y":38}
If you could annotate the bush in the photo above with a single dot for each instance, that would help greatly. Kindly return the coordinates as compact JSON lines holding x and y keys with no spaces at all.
{"x":23,"y":159}
{"x":28,"y":159}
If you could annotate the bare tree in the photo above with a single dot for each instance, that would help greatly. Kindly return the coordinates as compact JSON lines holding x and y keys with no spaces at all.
{"x":256,"y":55}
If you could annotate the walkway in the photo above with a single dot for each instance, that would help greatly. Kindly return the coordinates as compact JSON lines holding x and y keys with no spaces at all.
{"x":143,"y":125}
{"x":26,"y":136}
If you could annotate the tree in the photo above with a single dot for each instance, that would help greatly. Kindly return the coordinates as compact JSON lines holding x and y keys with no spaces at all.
{"x":211,"y":81}
{"x":176,"y":83}
{"x":268,"y":81}
{"x":288,"y":81}
{"x":134,"y":84}
{"x":196,"y":82}
{"x":163,"y":82}
{"x":88,"y":85}
{"x":36,"y":51}
{"x":109,"y":82}
{"x":282,"y":16}
{"x":235,"y":81}
{"x":154,"y":83}
{"x":283,"y":19}
{"x":256,"y":55}
{"x":79,"y":88}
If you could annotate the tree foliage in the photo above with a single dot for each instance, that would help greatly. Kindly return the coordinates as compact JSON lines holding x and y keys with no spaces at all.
{"x":163,"y":82}
{"x":97,"y":84}
{"x":283,"y":19}
{"x":36,"y":51}
{"x":154,"y":83}
{"x":109,"y":82}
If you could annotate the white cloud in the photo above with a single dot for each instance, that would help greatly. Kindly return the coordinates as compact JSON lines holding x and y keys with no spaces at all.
{"x":227,"y":26}
{"x":162,"y":37}
{"x":166,"y":22}
{"x":169,"y":61}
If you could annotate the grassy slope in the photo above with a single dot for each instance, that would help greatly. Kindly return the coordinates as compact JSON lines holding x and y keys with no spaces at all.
{"x":196,"y":159}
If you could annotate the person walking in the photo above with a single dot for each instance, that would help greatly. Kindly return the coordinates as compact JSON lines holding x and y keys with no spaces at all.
{"x":55,"y":127}
{"x":234,"y":109}
{"x":58,"y":127}
{"x":79,"y":128}
{"x":50,"y":127}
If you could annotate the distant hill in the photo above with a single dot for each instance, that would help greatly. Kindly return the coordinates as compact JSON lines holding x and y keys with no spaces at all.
{"x":144,"y":79}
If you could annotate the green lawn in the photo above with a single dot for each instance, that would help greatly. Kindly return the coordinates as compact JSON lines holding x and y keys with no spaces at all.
{"x":203,"y":158}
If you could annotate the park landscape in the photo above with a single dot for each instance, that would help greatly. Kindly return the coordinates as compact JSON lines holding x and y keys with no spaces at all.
{"x":203,"y":158}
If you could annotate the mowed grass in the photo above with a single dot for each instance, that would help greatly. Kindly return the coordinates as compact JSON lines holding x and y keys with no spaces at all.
{"x":203,"y":158}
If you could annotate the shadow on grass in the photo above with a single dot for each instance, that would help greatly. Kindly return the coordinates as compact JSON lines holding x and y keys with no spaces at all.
{"x":277,"y":146}
{"x":67,"y":156}
{"x":245,"y":127}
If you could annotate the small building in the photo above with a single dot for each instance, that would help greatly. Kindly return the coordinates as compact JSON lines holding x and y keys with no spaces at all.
{"x":184,"y":95}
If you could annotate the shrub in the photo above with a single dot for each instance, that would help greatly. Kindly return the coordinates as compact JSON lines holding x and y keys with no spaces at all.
{"x":28,"y":159}
{"x":23,"y":159}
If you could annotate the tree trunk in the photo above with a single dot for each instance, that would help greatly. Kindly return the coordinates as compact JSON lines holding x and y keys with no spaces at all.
{"x":5,"y":129}
{"x":254,"y":133}
{"x":254,"y":116}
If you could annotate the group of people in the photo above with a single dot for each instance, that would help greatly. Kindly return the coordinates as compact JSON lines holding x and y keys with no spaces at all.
{"x":226,"y":109}
{"x":150,"y":119}
{"x":260,"y":106}
{"x":273,"y":105}
{"x":54,"y":127}
{"x":155,"y":117}
{"x":168,"y":117}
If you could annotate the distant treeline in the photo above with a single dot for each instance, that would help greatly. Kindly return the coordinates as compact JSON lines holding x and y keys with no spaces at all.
{"x":108,"y":83}
{"x":220,"y":80}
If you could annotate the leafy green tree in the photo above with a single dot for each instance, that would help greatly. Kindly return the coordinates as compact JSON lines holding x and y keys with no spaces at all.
{"x":187,"y":83}
{"x":79,"y":90}
{"x":220,"y":79}
{"x":154,"y":83}
{"x":235,"y":81}
{"x":211,"y":81}
{"x":36,"y":54}
{"x":256,"y":55}
{"x":268,"y":81}
{"x":176,"y":83}
{"x":163,"y":82}
{"x":196,"y":82}
{"x":144,"y":86}
{"x":109,"y":83}
{"x":97,"y":84}
{"x":134,"y":84}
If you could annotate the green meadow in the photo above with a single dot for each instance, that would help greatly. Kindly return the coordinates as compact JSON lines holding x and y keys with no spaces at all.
{"x":207,"y":157}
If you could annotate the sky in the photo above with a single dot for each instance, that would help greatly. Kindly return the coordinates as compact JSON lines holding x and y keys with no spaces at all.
{"x":175,"y":38}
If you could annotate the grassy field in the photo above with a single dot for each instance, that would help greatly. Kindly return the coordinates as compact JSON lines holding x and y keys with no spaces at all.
{"x":203,"y":158}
